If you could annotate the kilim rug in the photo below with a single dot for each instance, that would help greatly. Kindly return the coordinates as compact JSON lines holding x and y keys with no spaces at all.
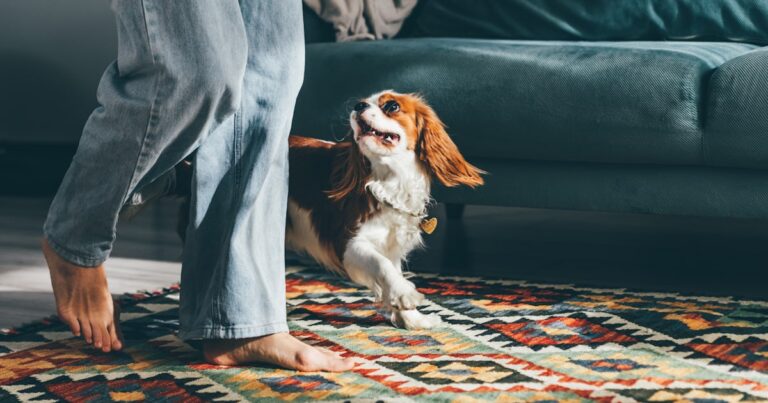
{"x":502,"y":341}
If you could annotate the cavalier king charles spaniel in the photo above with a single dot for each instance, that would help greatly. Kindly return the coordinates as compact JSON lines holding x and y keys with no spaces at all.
{"x":358,"y":207}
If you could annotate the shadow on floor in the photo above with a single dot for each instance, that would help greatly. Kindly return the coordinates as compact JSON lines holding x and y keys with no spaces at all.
{"x":659,"y":253}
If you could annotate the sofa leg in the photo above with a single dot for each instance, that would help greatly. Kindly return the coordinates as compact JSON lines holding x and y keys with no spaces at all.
{"x":456,"y":248}
{"x":454,"y":211}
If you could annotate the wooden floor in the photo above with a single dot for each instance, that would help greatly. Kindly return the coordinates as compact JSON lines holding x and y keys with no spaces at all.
{"x":692,"y":255}
{"x":145,"y":258}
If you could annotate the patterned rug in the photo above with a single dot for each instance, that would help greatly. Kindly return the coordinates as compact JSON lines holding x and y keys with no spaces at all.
{"x":503,"y":341}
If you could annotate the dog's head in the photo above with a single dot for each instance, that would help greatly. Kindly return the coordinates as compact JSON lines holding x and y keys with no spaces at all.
{"x":389,"y":124}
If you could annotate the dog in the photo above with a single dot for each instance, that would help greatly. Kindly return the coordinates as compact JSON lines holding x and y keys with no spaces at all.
{"x":358,"y":207}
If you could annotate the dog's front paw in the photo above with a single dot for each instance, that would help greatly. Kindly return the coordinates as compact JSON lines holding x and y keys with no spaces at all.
{"x":414,"y":320}
{"x":404,"y":296}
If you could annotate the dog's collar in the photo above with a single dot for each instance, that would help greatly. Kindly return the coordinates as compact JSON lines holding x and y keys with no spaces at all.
{"x":378,"y":193}
{"x":426,"y":223}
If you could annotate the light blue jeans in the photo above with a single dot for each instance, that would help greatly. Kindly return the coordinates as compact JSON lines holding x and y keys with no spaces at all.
{"x":220,"y":77}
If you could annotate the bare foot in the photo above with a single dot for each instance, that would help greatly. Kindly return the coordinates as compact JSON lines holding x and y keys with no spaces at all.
{"x":280,"y":349}
{"x":83,"y":301}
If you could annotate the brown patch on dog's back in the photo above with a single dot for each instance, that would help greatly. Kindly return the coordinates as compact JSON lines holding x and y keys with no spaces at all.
{"x":328,"y":179}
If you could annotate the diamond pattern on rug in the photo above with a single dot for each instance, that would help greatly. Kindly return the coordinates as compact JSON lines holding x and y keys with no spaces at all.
{"x":691,"y":395}
{"x":558,"y":331}
{"x":446,"y":372}
{"x":340,"y":315}
{"x":610,"y":364}
{"x":131,"y":387}
{"x":387,"y":340}
{"x":501,"y":341}
{"x":749,"y":354}
{"x":626,"y":367}
{"x":261,"y":383}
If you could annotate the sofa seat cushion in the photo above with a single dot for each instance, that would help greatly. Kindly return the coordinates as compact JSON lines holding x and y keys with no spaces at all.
{"x":622,"y":102}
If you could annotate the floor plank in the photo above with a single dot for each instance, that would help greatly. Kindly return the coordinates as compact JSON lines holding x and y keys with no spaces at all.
{"x":145,"y":257}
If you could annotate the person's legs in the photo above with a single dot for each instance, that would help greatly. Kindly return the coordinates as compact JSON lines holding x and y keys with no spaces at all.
{"x":233,"y":275}
{"x":179,"y":73}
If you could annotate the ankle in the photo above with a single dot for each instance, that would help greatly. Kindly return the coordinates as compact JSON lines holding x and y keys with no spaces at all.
{"x":58,"y":262}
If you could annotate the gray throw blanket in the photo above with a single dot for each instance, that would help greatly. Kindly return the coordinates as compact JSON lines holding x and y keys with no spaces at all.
{"x":355,"y":20}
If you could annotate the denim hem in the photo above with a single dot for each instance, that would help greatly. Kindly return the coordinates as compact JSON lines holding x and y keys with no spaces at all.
{"x":233,"y":332}
{"x":72,"y":257}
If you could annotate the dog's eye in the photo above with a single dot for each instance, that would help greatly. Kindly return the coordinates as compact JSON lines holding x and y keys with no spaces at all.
{"x":390,"y":107}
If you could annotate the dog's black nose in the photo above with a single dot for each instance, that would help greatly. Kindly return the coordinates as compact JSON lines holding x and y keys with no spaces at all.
{"x":361,"y":106}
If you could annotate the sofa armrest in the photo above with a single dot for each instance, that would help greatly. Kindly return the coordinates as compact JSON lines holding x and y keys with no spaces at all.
{"x":736,"y":125}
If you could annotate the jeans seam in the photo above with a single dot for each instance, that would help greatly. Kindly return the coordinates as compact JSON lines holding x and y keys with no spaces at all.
{"x":216,"y":312}
{"x":238,"y":146}
{"x":146,"y":29}
{"x":153,"y":110}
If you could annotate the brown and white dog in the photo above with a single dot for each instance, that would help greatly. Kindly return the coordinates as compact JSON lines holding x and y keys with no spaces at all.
{"x":356,"y":206}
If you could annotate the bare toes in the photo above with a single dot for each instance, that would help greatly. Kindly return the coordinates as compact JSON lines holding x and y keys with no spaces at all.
{"x":74,"y":325}
{"x":337,"y":364}
{"x":97,"y":335}
{"x":106,"y":338}
{"x":85,"y":327}
{"x":117,"y":344}
{"x":340,"y":363}
{"x":114,"y":337}
{"x":313,"y":359}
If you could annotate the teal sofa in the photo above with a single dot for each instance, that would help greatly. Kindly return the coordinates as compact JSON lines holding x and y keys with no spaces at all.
{"x":643,"y":106}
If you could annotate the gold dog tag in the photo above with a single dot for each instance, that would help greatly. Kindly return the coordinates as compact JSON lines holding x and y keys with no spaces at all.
{"x":428,"y":225}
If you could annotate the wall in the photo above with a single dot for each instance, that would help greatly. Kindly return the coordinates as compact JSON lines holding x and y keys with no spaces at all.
{"x":52,"y":54}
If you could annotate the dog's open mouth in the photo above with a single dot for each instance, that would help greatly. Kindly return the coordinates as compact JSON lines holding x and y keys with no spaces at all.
{"x":367,"y":130}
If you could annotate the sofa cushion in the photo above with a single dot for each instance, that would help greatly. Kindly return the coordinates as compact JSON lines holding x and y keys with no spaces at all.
{"x":736,"y":130}
{"x":625,"y":102}
{"x":596,"y":20}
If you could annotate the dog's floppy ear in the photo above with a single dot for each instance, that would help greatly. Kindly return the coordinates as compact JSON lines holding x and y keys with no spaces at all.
{"x":439,"y":154}
{"x":351,"y":172}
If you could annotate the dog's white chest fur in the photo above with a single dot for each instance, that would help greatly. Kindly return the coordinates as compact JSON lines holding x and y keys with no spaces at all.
{"x":394,"y":232}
